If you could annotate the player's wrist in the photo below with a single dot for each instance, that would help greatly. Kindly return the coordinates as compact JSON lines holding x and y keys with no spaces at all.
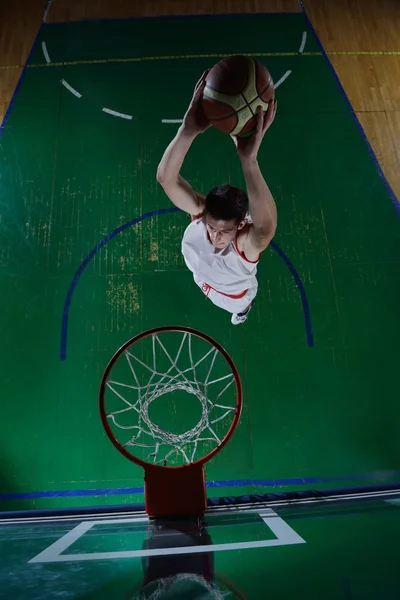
{"x":188,"y":132}
{"x":249,"y":161}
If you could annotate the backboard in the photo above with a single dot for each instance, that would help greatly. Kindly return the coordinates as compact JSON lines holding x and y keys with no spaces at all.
{"x":335,"y":547}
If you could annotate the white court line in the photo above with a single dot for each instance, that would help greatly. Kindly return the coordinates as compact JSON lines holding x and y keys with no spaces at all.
{"x":63,"y":543}
{"x":303,"y":42}
{"x":280,"y":528}
{"x":45,"y":53}
{"x":395,"y":501}
{"x":70,"y":88}
{"x":171,"y":120}
{"x":114,"y":113}
{"x":285,"y":535}
{"x":46,"y":12}
{"x":44,"y":557}
{"x":282,"y":79}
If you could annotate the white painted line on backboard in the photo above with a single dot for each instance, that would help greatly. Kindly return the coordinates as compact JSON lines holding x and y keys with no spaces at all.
{"x":395,"y":501}
{"x":120,"y":521}
{"x":281,"y":529}
{"x":138,"y":517}
{"x":114,"y":113}
{"x":71,"y":89}
{"x":171,"y":120}
{"x":44,"y":558}
{"x":285,"y":536}
{"x":53,"y":552}
{"x":303,"y":42}
{"x":45,"y":53}
{"x":216,"y":511}
{"x":282,"y":79}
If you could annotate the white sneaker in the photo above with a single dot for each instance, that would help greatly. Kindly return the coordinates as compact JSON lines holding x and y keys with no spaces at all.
{"x":240,"y":317}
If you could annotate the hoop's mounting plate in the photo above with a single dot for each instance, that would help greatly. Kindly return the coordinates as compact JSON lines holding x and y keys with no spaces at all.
{"x":179,"y":491}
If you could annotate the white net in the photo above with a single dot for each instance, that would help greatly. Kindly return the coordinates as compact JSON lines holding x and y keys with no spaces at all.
{"x":184,"y":586}
{"x":163,"y":365}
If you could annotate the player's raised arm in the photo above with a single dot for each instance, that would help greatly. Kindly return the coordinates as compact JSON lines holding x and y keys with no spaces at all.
{"x":261,"y":203}
{"x":179,"y":191}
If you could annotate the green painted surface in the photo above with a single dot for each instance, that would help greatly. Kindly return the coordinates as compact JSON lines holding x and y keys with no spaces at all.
{"x":70,"y":174}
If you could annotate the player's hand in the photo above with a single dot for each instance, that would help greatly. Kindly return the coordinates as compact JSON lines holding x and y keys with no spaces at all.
{"x":194,"y":121}
{"x":248,"y":147}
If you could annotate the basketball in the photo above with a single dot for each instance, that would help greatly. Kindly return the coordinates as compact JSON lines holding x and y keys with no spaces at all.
{"x":235,"y":87}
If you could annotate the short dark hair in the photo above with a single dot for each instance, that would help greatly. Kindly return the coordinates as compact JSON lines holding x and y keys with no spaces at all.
{"x":226,"y":202}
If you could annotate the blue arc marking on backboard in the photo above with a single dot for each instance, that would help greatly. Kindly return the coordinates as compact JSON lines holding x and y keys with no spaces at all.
{"x":154,"y":213}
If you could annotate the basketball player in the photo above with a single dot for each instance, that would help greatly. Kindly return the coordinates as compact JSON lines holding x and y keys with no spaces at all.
{"x":220,"y":246}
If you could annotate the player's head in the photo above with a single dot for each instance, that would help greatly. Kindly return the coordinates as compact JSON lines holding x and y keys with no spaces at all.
{"x":225,"y":213}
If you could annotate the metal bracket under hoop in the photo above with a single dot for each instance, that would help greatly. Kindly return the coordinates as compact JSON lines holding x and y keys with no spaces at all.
{"x":150,"y":362}
{"x":176,"y":491}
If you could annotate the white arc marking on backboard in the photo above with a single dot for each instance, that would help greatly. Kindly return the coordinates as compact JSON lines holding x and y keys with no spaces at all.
{"x":285,"y":536}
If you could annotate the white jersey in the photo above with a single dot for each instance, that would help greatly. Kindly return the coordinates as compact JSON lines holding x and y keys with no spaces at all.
{"x":225,"y":271}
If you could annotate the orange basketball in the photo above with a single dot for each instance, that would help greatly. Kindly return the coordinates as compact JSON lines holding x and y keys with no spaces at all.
{"x":235,"y":87}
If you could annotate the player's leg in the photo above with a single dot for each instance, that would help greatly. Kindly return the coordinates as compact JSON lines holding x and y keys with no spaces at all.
{"x":238,"y":307}
{"x":241,"y":317}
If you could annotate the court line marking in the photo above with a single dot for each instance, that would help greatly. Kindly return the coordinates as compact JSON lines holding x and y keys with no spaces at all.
{"x":303,"y":42}
{"x":181,"y":57}
{"x":129,"y":117}
{"x":302,"y":291}
{"x":389,"y":189}
{"x":161,"y":211}
{"x":45,"y":53}
{"x":282,"y":79}
{"x":64,"y":542}
{"x":396,"y":501}
{"x":114,"y":113}
{"x":11,"y":104}
{"x":86,"y":261}
{"x":71,"y":89}
{"x":285,"y":536}
{"x":46,"y":11}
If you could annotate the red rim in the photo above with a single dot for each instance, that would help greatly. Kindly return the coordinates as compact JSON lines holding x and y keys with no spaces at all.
{"x":134,"y":340}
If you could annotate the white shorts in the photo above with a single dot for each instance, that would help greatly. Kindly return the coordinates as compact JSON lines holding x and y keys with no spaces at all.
{"x":232,"y":305}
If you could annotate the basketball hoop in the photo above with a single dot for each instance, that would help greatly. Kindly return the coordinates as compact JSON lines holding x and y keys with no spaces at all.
{"x":163,"y":368}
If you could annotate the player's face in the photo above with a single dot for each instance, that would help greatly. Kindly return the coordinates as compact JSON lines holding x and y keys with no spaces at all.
{"x":221,"y":232}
